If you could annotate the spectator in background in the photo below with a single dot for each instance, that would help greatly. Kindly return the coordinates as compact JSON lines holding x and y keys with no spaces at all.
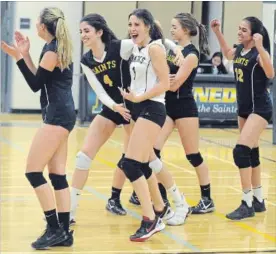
{"x":217,"y":62}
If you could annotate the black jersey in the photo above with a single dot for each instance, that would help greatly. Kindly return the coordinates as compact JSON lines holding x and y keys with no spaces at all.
{"x":186,"y":89}
{"x":251,"y":82}
{"x":56,"y":97}
{"x":112,"y":72}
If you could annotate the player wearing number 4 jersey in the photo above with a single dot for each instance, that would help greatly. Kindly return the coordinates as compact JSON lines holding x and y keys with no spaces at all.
{"x":253,"y":68}
{"x":104,"y":60}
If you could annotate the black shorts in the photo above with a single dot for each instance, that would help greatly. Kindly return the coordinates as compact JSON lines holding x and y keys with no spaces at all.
{"x":265,"y":115}
{"x":60,"y":116}
{"x":181,"y":108}
{"x":151,"y":110}
{"x":113,"y":116}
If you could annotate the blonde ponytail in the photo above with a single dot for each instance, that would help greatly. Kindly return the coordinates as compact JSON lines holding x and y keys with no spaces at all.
{"x":65,"y":48}
{"x":53,"y":18}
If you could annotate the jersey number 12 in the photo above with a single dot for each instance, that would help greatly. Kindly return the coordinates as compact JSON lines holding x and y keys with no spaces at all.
{"x":239,"y":74}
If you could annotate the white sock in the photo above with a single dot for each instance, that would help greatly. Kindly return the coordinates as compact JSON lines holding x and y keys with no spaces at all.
{"x":175,"y":194}
{"x":75,"y":196}
{"x":258,"y":193}
{"x":247,"y":197}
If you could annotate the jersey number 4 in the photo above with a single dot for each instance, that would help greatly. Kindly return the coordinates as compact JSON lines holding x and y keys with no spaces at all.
{"x":239,"y":74}
{"x":107,"y":80}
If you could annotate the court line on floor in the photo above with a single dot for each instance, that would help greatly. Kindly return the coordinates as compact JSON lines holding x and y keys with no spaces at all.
{"x":172,"y":236}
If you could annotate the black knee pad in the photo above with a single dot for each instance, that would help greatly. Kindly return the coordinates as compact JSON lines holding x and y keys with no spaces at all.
{"x":195,"y":159}
{"x":255,"y":157}
{"x":132,"y":169}
{"x":36,"y":178}
{"x":242,"y":156}
{"x":157,"y":153}
{"x":119,"y":164}
{"x":147,"y":171}
{"x":59,"y":182}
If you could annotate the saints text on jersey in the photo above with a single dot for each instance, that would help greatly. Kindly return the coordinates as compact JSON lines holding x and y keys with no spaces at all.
{"x":104,"y":66}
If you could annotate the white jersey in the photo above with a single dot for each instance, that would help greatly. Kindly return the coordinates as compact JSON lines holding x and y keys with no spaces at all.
{"x":143,"y":77}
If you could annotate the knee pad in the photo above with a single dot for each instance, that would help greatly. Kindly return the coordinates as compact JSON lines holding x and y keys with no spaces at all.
{"x":147,"y":171}
{"x":157,"y":153}
{"x":156,"y":165}
{"x":59,"y":182}
{"x":255,"y":157}
{"x":132,"y":169}
{"x":242,"y":156}
{"x":119,"y":164}
{"x":83,"y":162}
{"x":36,"y":178}
{"x":195,"y":159}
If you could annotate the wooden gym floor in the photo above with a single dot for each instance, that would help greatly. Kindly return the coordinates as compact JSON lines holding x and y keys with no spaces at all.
{"x":97,"y":231}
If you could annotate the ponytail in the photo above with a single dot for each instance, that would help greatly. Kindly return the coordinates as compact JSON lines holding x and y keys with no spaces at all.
{"x":266,"y":40}
{"x":53,"y":19}
{"x":65,"y":48}
{"x":257,"y":26}
{"x":203,"y":40}
{"x":156,"y":32}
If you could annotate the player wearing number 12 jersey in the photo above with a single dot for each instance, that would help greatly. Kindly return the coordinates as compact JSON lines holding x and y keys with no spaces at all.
{"x":253,"y":68}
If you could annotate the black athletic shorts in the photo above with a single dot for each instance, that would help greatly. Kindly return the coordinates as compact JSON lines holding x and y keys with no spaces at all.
{"x":151,"y":110}
{"x":114,"y":116}
{"x":181,"y":108}
{"x":64,"y":116}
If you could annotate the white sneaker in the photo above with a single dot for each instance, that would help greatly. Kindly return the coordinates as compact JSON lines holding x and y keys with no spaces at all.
{"x":180,"y":214}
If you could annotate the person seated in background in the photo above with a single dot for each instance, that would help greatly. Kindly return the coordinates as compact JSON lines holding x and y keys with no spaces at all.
{"x":217,"y":64}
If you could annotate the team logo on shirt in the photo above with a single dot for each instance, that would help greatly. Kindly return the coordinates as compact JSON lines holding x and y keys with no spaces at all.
{"x":138,"y":59}
{"x":241,"y":60}
{"x":104,"y":67}
{"x":170,"y":58}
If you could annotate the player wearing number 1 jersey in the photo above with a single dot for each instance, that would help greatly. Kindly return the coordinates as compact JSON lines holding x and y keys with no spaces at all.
{"x":253,"y":68}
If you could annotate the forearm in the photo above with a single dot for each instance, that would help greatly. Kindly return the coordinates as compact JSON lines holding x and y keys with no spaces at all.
{"x":35,"y":82}
{"x":29,"y":62}
{"x":154,"y":92}
{"x":266,"y":63}
{"x":98,"y":88}
{"x":223,"y":44}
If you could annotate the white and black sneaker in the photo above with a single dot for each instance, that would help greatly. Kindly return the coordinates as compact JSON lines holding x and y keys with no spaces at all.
{"x":205,"y":205}
{"x":114,"y":206}
{"x":166,"y":214}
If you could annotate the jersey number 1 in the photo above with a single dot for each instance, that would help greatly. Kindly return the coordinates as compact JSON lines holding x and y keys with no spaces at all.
{"x":107,"y":80}
{"x":239,"y":74}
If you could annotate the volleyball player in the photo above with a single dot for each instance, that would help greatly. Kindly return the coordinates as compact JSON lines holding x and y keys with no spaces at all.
{"x":53,"y":78}
{"x":149,"y":81}
{"x":253,"y":69}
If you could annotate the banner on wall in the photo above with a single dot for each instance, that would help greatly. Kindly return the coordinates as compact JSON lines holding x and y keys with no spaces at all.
{"x":216,"y":101}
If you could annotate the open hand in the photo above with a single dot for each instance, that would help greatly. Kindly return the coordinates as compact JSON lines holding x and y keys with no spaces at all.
{"x":22,"y":43}
{"x":11,"y":50}
{"x":124,"y":112}
{"x":130,"y":96}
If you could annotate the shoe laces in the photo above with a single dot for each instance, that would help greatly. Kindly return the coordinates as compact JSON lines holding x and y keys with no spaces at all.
{"x":200,"y":204}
